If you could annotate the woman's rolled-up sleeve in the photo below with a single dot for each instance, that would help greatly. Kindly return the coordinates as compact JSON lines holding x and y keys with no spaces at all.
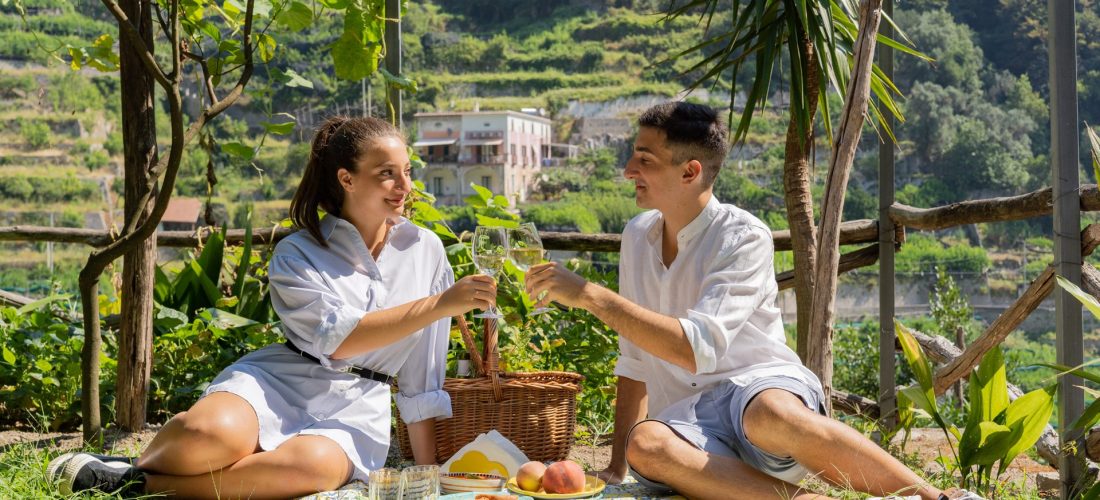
{"x":421,"y":377}
{"x":308,"y":307}
{"x":732,"y":292}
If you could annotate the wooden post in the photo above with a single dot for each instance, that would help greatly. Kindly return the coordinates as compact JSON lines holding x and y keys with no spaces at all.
{"x":1065,"y":183}
{"x":887,"y":392}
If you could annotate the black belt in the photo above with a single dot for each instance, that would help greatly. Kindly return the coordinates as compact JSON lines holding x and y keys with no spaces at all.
{"x":362,"y":372}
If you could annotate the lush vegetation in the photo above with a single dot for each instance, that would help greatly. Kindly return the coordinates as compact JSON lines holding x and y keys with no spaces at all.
{"x":977,"y":125}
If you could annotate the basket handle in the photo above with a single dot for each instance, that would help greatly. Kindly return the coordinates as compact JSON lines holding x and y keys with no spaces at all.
{"x":471,"y":347}
{"x":487,"y":362}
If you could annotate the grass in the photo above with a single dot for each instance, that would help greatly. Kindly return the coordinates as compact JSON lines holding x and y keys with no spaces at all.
{"x":23,"y":472}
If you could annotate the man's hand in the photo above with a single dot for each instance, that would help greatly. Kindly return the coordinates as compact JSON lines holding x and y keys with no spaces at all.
{"x":563,"y":286}
{"x":611,"y":475}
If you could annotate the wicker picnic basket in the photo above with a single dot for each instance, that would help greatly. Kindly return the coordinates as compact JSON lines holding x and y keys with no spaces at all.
{"x":537,"y":411}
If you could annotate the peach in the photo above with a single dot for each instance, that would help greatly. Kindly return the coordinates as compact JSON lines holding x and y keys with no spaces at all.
{"x":529,"y":476}
{"x":563,"y":477}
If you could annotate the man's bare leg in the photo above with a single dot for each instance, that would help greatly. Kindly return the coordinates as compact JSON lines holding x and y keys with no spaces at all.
{"x":779,"y":423}
{"x":659,"y":454}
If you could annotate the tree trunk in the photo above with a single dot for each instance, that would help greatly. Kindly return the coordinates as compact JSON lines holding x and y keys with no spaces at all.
{"x":819,"y":355}
{"x":89,"y":353}
{"x":798,"y":157}
{"x":135,"y":350}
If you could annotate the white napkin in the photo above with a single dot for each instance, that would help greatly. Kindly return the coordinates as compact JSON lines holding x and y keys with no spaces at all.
{"x":489,"y":453}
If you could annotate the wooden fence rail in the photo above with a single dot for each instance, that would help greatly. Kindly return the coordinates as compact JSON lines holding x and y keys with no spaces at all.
{"x":851,"y":232}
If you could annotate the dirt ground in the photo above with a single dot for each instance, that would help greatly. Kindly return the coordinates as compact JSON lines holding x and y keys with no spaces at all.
{"x":926,"y":444}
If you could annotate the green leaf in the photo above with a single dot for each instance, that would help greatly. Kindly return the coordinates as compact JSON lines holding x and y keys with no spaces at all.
{"x":9,"y":357}
{"x":921,"y":366}
{"x":990,"y":378}
{"x":278,"y":128}
{"x":167,"y":318}
{"x":192,"y":11}
{"x":246,"y":259}
{"x":919,"y":398}
{"x":500,"y":201}
{"x":290,"y":78}
{"x":992,"y":443}
{"x":239,"y":150}
{"x":336,"y":4}
{"x":352,"y":59}
{"x":1087,"y":300}
{"x":296,"y":17}
{"x":265,"y":46}
{"x":102,"y":55}
{"x":1030,"y":413}
{"x":400,"y":82}
{"x":43,"y":365}
{"x":225,"y":319}
{"x":426,"y":212}
{"x":476,"y":201}
{"x":43,"y":302}
{"x":483,"y":192}
{"x":1094,"y":141}
{"x":1093,"y":493}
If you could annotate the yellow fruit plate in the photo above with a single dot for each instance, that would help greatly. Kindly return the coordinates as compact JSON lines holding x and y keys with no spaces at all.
{"x":592,"y":487}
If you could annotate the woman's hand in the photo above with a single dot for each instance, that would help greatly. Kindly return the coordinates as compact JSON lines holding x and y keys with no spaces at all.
{"x":472,"y":292}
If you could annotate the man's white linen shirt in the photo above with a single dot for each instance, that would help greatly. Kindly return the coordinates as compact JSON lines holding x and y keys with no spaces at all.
{"x":722,"y":288}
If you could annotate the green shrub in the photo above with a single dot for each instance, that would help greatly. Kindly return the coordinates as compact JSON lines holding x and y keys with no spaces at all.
{"x":113,"y":144}
{"x":96,"y":160}
{"x":40,"y":369}
{"x":70,"y":92}
{"x":922,"y":253}
{"x":36,"y":133}
{"x":563,"y":216}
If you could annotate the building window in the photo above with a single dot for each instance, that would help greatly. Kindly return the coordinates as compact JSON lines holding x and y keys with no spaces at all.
{"x":487,"y":181}
{"x":446,"y":151}
{"x":437,"y":185}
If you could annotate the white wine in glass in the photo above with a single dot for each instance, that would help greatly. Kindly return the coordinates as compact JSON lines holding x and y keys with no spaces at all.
{"x":489,"y":248}
{"x":525,"y":251}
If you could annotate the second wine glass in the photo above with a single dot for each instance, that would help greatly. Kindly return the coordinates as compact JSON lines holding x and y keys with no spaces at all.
{"x":526,"y":250}
{"x":489,"y":248}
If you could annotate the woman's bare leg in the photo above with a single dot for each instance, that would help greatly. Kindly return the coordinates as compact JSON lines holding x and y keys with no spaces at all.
{"x":302,"y":465}
{"x":217,"y":431}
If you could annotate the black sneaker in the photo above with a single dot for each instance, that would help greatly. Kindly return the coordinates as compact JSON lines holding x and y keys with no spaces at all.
{"x":59,"y":462}
{"x":84,"y":472}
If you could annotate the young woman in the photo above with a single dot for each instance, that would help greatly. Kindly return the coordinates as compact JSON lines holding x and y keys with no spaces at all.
{"x":364,"y":296}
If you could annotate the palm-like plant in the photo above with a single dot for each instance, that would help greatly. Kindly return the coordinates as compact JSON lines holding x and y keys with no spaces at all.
{"x":818,"y":38}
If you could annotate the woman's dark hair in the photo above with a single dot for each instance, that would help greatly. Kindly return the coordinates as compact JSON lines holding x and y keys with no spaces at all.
{"x":338,"y":143}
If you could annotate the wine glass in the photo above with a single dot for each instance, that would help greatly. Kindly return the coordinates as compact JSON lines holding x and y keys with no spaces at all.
{"x":490,"y":246}
{"x":526,"y":250}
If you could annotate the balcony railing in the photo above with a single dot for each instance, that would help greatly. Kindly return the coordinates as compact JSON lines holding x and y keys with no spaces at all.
{"x":484,"y":160}
{"x":440,"y":159}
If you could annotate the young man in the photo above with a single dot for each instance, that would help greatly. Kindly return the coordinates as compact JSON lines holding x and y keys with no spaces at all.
{"x":711,"y":402}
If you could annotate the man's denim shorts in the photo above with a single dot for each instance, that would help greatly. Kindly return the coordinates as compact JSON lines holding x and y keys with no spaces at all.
{"x":713,"y":424}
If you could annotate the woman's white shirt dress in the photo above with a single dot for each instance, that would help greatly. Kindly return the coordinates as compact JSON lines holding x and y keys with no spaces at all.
{"x":321,"y":294}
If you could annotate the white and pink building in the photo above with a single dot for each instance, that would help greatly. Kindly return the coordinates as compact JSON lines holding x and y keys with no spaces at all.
{"x":500,"y":150}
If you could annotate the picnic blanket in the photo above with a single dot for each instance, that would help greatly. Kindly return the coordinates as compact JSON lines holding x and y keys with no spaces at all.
{"x":628,"y":489}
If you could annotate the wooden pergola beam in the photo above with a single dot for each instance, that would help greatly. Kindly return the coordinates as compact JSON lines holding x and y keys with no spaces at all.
{"x":1025,"y":206}
{"x":1039,"y":289}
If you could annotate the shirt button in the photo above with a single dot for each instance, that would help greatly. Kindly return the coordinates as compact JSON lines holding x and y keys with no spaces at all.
{"x":693,"y":384}
{"x":320,"y":416}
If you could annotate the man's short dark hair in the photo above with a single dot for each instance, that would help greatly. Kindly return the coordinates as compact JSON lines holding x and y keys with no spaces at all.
{"x":693,"y":132}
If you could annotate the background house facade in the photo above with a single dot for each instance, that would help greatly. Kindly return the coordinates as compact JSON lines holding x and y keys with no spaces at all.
{"x":500,"y":150}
